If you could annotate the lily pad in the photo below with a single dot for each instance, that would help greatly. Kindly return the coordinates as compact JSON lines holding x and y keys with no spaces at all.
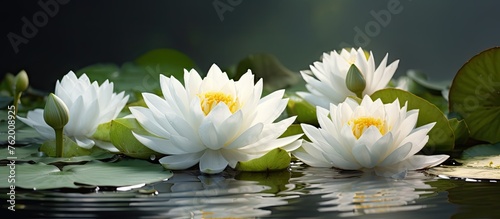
{"x":23,"y":133}
{"x":266,"y":66}
{"x":144,"y":73}
{"x":165,"y":61}
{"x":481,"y":151}
{"x":277,"y":159}
{"x":94,"y":173}
{"x":420,"y":79}
{"x":475,"y":95}
{"x":121,"y":136}
{"x":31,"y":153}
{"x":441,"y":136}
{"x":478,"y":162}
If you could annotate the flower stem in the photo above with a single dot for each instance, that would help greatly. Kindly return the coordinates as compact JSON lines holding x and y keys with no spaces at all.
{"x":59,"y":142}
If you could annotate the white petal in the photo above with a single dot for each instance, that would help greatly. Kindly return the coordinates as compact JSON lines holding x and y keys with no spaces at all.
{"x":397,"y":155}
{"x":212,"y":162}
{"x":209,"y":136}
{"x":418,"y":162}
{"x":247,"y":137}
{"x":106,"y":146}
{"x":163,"y":146}
{"x":235,"y":156}
{"x":363,"y":156}
{"x":180,"y":161}
{"x":147,"y":120}
{"x":311,"y":157}
{"x":294,"y":145}
{"x":84,"y":142}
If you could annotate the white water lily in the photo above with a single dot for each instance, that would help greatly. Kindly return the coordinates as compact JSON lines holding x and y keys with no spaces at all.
{"x":89,"y":105}
{"x":213,"y":121}
{"x":326,"y":81}
{"x":368,"y":136}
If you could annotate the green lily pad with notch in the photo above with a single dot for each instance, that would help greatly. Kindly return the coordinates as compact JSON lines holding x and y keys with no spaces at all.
{"x":441,"y":136}
{"x":475,"y":95}
{"x":94,"y":173}
{"x":277,"y":159}
{"x":121,"y":136}
{"x":31,"y":153}
{"x":478,"y":162}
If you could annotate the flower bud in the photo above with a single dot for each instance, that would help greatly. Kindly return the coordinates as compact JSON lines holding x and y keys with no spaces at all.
{"x":22,"y":81}
{"x":355,"y":81}
{"x":10,"y":79}
{"x":56,"y":113}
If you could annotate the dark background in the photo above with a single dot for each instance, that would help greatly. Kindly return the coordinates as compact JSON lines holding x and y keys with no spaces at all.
{"x":434,"y":36}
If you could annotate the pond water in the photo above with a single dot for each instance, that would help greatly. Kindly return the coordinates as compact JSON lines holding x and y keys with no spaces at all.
{"x":301,"y":192}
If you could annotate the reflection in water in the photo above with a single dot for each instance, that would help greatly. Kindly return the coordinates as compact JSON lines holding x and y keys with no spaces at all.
{"x":358,"y":193}
{"x":204,"y":196}
{"x":185,"y":195}
{"x":304,"y":192}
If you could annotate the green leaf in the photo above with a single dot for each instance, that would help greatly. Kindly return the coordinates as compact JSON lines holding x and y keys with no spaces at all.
{"x":70,"y":148}
{"x":165,"y":61}
{"x":277,"y":159}
{"x":460,"y":130}
{"x":24,"y":134}
{"x":5,"y":101}
{"x":121,"y":136}
{"x":441,"y":137}
{"x":479,"y":162}
{"x":31,"y":153}
{"x":143,"y":74}
{"x":102,"y":132}
{"x":481,"y":151}
{"x":420,"y":80}
{"x":266,"y":66}
{"x":94,"y":173}
{"x":475,"y":95}
{"x":305,"y":112}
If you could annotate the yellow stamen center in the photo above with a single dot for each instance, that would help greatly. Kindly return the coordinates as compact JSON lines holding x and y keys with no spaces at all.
{"x":210,"y":99}
{"x":360,"y":124}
